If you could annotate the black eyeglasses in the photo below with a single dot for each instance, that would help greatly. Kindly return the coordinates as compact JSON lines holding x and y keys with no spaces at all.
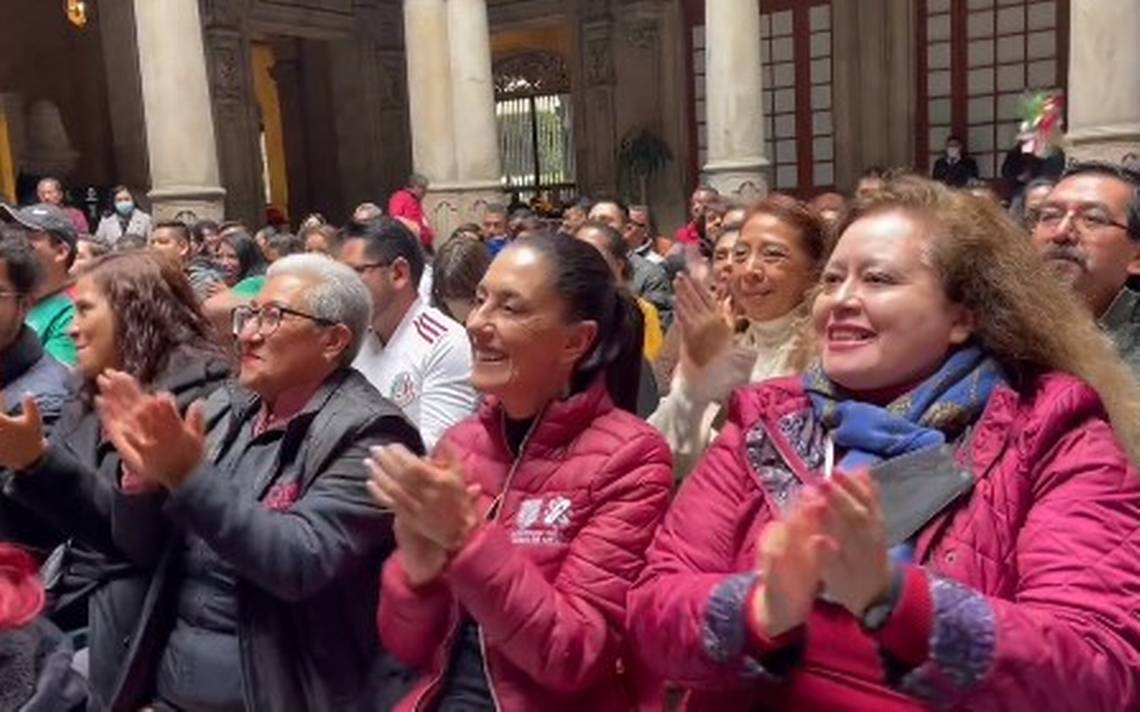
{"x":267,"y":319}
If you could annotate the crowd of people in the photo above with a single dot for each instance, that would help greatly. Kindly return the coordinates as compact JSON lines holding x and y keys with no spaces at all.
{"x":863,"y":452}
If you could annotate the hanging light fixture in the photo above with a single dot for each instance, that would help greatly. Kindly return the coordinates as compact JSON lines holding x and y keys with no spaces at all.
{"x":76,"y":12}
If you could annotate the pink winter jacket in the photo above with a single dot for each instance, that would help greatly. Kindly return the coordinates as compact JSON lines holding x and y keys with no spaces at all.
{"x":546,"y":579}
{"x":1024,"y":596}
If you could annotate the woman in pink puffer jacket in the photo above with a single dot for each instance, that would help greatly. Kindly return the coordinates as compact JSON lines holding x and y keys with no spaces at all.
{"x":938,"y":513}
{"x":518,"y":542}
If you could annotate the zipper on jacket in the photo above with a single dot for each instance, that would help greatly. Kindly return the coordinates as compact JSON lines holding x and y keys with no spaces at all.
{"x":492,"y":516}
{"x":448,"y":641}
{"x":487,"y":669}
{"x":496,"y":509}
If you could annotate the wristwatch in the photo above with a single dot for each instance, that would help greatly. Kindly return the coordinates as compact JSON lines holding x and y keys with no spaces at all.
{"x":878,"y":613}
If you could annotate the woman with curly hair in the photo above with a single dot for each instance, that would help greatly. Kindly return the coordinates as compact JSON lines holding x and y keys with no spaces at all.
{"x":133,"y":313}
{"x":942,"y":511}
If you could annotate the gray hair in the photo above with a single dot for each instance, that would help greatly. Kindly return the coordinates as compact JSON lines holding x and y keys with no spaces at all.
{"x":337,"y":294}
{"x":367,"y":211}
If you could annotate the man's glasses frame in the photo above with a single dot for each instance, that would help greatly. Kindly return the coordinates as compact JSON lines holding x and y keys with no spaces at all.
{"x":1085,"y":219}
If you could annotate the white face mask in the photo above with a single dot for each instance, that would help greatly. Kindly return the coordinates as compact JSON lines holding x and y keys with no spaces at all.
{"x":953,"y":152}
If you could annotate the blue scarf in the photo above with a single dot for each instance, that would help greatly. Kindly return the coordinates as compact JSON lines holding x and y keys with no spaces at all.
{"x":937,"y":410}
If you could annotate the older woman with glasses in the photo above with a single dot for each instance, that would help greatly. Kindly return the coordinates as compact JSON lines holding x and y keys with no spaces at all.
{"x":266,"y":535}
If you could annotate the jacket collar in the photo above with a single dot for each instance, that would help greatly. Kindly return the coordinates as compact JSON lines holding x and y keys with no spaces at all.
{"x":248,"y":404}
{"x":1122,"y":318}
{"x":24,"y":353}
{"x":558,"y":423}
{"x":782,"y":412}
{"x":189,"y":367}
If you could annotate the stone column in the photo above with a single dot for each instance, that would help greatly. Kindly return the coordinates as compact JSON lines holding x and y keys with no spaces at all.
{"x":595,"y":114}
{"x":124,"y":95}
{"x":455,"y":139}
{"x":1104,"y":84}
{"x":736,"y":162}
{"x":478,"y":169}
{"x":429,"y":89}
{"x":176,"y":101}
{"x":873,"y":80}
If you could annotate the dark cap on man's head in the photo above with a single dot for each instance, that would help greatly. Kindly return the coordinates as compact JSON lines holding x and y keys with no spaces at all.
{"x":42,"y":218}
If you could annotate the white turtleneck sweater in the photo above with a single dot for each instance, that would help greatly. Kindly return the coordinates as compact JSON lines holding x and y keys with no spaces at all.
{"x":687,"y":415}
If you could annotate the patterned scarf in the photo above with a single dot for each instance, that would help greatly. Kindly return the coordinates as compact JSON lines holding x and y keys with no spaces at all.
{"x":937,"y":410}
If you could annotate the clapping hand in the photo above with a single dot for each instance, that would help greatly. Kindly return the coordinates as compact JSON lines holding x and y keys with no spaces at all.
{"x":706,"y":325}
{"x":150,"y":435}
{"x":788,"y":560}
{"x":834,"y":539}
{"x":431,"y":496}
{"x":856,"y":569}
{"x":21,"y":436}
{"x":422,"y":558}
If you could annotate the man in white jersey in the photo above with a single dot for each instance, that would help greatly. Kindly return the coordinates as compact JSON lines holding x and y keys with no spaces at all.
{"x":414,"y":355}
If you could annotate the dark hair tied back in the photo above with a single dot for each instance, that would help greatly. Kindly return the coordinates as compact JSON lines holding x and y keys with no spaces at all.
{"x":618,"y":352}
{"x":584,"y":281}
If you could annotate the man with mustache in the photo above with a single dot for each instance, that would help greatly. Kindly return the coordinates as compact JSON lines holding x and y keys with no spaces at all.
{"x":1088,"y":229}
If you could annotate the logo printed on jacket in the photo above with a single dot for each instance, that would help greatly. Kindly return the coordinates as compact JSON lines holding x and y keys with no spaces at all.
{"x":540,"y":522}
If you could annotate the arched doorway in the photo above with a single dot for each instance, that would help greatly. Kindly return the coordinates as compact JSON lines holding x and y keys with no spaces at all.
{"x":534,"y":109}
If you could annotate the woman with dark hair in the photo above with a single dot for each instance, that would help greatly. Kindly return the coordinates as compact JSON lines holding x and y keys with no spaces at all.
{"x":239,"y":258}
{"x":518,"y":539}
{"x":457,"y":269}
{"x":136,"y":313}
{"x":941,"y":512}
{"x":126,"y":218}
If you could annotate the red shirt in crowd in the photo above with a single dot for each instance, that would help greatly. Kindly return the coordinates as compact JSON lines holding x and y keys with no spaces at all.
{"x":404,"y":204}
{"x":687,"y":235}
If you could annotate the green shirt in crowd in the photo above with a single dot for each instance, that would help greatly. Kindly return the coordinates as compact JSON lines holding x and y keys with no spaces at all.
{"x":51,"y":319}
{"x":249,"y":287}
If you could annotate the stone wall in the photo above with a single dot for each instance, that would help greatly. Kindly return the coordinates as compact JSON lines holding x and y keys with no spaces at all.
{"x":340,"y":75}
{"x":874,"y":86}
{"x":43,"y":57}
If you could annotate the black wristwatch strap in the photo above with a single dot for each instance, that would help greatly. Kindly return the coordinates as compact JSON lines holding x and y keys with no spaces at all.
{"x":877,"y":614}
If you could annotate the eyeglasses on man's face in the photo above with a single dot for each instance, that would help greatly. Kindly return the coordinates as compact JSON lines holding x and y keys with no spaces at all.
{"x":1086,"y":219}
{"x":267,"y":319}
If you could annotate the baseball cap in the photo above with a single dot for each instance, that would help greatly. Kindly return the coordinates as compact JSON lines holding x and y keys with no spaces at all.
{"x":41,"y":218}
